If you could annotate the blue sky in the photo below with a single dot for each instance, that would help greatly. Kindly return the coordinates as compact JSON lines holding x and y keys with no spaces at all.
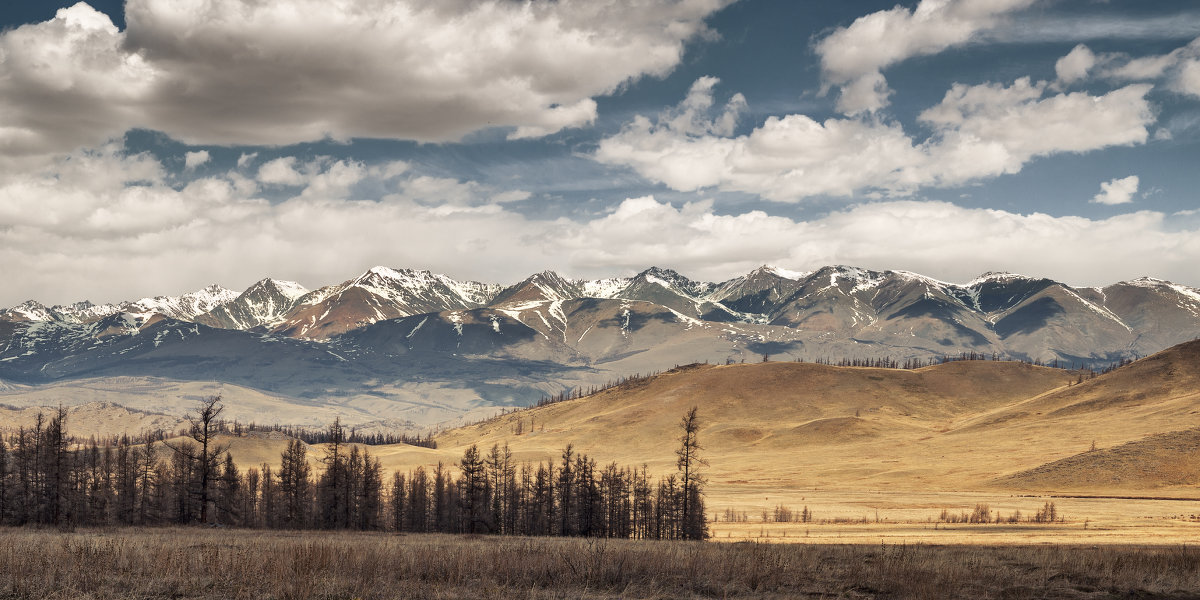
{"x":157,"y":146}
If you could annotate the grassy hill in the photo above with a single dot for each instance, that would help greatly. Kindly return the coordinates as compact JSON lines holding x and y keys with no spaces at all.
{"x":956,"y":426}
{"x":783,"y":427}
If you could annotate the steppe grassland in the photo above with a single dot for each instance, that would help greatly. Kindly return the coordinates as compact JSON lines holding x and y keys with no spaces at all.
{"x":211,"y":563}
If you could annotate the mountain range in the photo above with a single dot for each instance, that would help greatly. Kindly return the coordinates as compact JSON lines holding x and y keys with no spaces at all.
{"x":416,"y":347}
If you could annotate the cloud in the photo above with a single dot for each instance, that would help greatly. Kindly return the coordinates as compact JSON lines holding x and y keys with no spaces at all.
{"x":245,"y":160}
{"x":854,"y":57}
{"x":977,"y":132}
{"x":281,"y":171}
{"x":68,"y":83}
{"x":1117,"y":191}
{"x":1073,"y":26}
{"x":1180,"y":68}
{"x":191,"y":160}
{"x":1075,"y":65}
{"x":939,"y":239}
{"x":1188,"y":80}
{"x":109,"y":226}
{"x":233,"y":72}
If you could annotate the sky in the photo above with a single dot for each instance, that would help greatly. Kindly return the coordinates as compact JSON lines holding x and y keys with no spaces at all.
{"x":153,"y":147}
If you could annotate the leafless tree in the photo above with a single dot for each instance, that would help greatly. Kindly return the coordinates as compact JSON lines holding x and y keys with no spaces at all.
{"x":206,"y":458}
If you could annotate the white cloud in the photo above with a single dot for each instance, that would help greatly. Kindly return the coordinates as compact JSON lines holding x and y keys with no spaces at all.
{"x":245,"y":160}
{"x":1117,"y":191}
{"x":287,"y":71}
{"x":978,"y":132}
{"x":854,"y":57}
{"x":68,"y":83}
{"x":934,"y":238}
{"x":1075,"y":65}
{"x":127,"y":233}
{"x":1180,"y":68}
{"x":191,"y":160}
{"x":1188,"y":80}
{"x":281,"y":171}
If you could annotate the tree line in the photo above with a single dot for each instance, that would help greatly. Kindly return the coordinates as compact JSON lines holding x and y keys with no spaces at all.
{"x":46,"y":480}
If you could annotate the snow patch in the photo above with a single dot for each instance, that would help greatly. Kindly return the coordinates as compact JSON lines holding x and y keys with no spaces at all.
{"x":414,"y":330}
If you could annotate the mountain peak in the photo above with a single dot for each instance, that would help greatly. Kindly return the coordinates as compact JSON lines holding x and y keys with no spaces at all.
{"x":779,"y":272}
{"x":29,"y":310}
{"x":1146,"y":281}
{"x":289,"y":289}
{"x":659,"y":272}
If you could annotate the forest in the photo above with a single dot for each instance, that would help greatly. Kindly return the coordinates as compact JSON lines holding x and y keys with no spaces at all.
{"x":47,"y":479}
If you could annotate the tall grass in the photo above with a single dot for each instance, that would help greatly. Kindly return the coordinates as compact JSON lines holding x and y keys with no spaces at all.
{"x":214,"y":563}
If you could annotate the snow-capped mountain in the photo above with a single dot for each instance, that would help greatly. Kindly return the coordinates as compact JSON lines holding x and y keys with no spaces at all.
{"x":836,"y":311}
{"x":79,"y":312}
{"x":378,"y":294}
{"x":185,"y":307}
{"x":546,"y":285}
{"x":759,"y":291}
{"x":264,"y":304}
{"x":400,"y":343}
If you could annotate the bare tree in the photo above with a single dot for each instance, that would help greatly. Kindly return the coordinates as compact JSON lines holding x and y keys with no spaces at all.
{"x":206,"y":458}
{"x":689,"y":463}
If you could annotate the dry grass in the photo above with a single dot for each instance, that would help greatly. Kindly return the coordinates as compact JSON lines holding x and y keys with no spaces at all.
{"x":953,"y":427}
{"x":201,"y":564}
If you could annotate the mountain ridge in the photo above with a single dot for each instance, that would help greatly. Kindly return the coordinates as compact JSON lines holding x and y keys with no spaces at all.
{"x":397,"y":341}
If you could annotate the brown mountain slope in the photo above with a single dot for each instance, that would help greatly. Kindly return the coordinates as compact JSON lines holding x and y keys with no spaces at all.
{"x":1167,"y":459}
{"x":957,"y":426}
{"x":785,"y":424}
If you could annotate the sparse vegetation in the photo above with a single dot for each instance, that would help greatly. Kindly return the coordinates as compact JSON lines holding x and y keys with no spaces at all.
{"x":982,"y":514}
{"x":211,"y":564}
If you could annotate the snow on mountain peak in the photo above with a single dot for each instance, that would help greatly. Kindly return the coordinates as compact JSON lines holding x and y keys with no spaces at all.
{"x":405,"y":285}
{"x":31,"y":310}
{"x":781,"y":272}
{"x":1147,"y":282}
{"x":999,"y":276}
{"x":604,"y":288}
{"x":290,"y":289}
{"x":187,"y":306}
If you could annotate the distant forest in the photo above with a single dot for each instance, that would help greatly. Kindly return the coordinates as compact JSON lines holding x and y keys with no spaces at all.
{"x":45,"y":479}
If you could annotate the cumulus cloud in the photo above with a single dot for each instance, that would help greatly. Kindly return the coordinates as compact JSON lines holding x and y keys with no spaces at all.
{"x":127,"y":232}
{"x":978,"y":132}
{"x":281,"y":171}
{"x":1117,"y":191}
{"x":934,"y":238}
{"x":1075,"y":65}
{"x":853,"y":57}
{"x":287,"y":71}
{"x":191,"y":160}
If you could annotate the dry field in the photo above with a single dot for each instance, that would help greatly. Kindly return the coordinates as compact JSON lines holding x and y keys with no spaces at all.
{"x":878,"y":454}
{"x":874,"y":517}
{"x":211,"y":564}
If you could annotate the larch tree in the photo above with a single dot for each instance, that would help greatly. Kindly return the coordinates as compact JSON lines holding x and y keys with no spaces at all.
{"x":206,"y":458}
{"x":692,"y":525}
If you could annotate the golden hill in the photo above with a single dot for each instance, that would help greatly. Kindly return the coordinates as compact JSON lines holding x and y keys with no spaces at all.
{"x":1166,"y":459}
{"x":781,"y":428}
{"x":956,"y":426}
{"x":777,"y":425}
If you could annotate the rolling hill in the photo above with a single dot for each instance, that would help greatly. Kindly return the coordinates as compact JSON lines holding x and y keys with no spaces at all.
{"x":957,"y":426}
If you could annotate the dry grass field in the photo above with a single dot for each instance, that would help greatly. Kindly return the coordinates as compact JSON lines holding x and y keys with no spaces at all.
{"x":893,"y":448}
{"x":219,"y":564}
{"x":878,"y":454}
